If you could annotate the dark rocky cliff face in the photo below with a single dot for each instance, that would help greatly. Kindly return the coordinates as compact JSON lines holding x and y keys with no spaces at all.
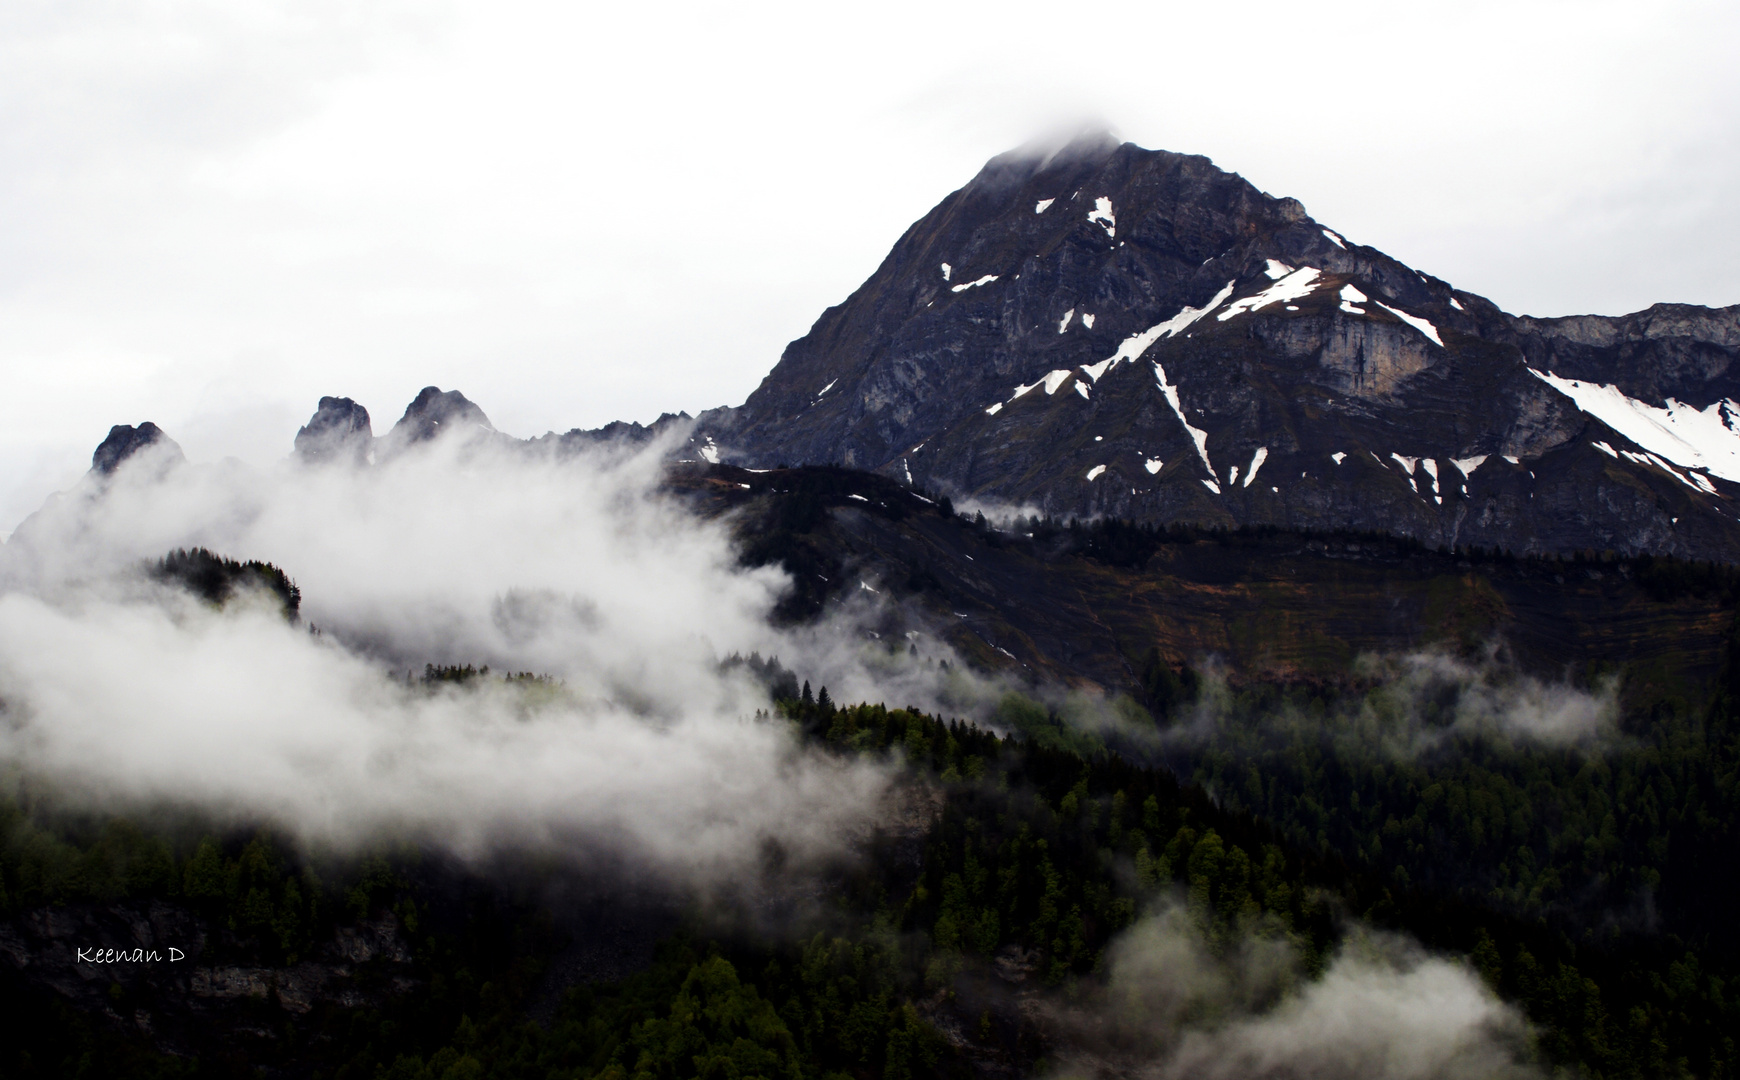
{"x":339,"y":431}
{"x":125,"y":442}
{"x":434,"y":413}
{"x":1111,"y":330}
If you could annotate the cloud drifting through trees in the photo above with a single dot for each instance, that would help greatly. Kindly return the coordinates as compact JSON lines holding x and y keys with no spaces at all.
{"x":455,"y":553}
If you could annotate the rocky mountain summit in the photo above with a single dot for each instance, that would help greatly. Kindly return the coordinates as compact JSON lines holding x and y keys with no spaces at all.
{"x":338,"y":431}
{"x":125,"y":441}
{"x":341,"y":432}
{"x":1106,"y":330}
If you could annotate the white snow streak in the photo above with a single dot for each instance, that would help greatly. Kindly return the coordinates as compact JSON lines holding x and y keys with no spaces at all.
{"x":1064,"y":324}
{"x":947,"y":270}
{"x":1295,"y":286}
{"x":995,"y":409}
{"x":1408,"y":463}
{"x":1652,"y":459}
{"x":826,"y":388}
{"x":1153,"y":465}
{"x":1094,"y":473}
{"x":1351,"y":296}
{"x":1708,"y":440}
{"x":1457,"y":304}
{"x":1338,"y":457}
{"x":1040,"y":206}
{"x":1135,"y":345}
{"x":1232,"y":476}
{"x":1605,"y":449}
{"x":1334,"y":239}
{"x":1275,"y":269}
{"x":1257,"y":460}
{"x":1081,"y":388}
{"x":1087,"y":319}
{"x":1199,"y":436}
{"x":1421,"y":325}
{"x":1469,"y":464}
{"x":965,"y":285}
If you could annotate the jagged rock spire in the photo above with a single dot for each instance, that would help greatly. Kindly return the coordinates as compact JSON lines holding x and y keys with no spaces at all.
{"x":125,"y":442}
{"x":339,"y":431}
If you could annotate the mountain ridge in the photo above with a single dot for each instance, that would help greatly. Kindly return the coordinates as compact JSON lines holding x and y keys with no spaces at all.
{"x":1230,"y":329}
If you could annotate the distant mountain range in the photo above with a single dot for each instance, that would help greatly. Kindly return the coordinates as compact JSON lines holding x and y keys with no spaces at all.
{"x":1100,"y":330}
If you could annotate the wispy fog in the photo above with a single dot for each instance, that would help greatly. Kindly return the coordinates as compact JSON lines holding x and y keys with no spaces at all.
{"x":1416,"y":701}
{"x":1176,"y":1006}
{"x":457,"y":552}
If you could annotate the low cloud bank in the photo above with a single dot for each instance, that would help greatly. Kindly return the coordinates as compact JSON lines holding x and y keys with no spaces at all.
{"x":1174,"y":1008}
{"x":455,"y":553}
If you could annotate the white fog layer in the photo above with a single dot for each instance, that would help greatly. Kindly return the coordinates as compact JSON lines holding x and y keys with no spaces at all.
{"x":1176,"y":1007}
{"x":117,"y":687}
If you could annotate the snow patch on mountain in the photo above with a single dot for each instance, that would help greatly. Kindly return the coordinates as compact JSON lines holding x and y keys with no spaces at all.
{"x":1257,"y":460}
{"x":1041,"y":206}
{"x":1708,"y":439}
{"x":965,"y":285}
{"x":1102,"y":213}
{"x":1063,"y":324}
{"x":1135,"y":345}
{"x":1295,"y":286}
{"x":1197,"y":435}
{"x":1419,"y":324}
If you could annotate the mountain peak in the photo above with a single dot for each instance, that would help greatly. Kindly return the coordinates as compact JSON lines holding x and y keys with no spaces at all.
{"x":339,"y":431}
{"x":435,"y":412}
{"x":1190,"y":332}
{"x":125,"y":442}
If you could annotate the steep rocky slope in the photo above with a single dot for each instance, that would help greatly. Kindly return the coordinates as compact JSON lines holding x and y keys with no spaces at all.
{"x":1107,"y":330}
{"x":1265,"y":605}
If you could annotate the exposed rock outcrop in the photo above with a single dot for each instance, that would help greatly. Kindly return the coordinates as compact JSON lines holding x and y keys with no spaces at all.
{"x":338,"y":432}
{"x":145,"y":443}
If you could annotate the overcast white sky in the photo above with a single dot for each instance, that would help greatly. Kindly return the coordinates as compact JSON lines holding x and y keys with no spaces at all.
{"x":212,"y":213}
